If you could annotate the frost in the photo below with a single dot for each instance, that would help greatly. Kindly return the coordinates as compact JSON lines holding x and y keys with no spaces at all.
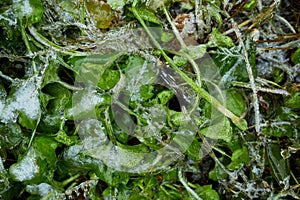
{"x":156,"y":120}
{"x":84,"y":103}
{"x":189,"y":25}
{"x":120,"y":159}
{"x":27,"y":168}
{"x":41,"y":189}
{"x":24,"y":99}
{"x":25,"y":8}
{"x":10,"y":22}
{"x":92,"y":133}
{"x":116,"y":4}
{"x":256,"y":171}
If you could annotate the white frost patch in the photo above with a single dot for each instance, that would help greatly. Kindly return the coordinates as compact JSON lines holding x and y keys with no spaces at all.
{"x":10,"y":22}
{"x":25,"y":8}
{"x":25,"y":99}
{"x":92,"y":133}
{"x":27,"y":168}
{"x":84,"y":104}
{"x":42,"y":189}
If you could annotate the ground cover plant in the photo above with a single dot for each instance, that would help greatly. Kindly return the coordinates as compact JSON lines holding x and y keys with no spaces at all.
{"x":148,"y":99}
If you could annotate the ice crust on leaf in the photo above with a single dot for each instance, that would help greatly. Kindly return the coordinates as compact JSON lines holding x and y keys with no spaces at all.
{"x":40,"y":189}
{"x":23,"y":100}
{"x":26,"y":169}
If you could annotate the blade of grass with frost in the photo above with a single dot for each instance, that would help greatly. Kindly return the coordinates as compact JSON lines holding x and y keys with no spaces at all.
{"x":40,"y":38}
{"x":251,"y":78}
{"x":240,"y":123}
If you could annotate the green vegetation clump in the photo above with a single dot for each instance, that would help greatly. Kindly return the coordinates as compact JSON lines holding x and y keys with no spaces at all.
{"x":149,"y":99}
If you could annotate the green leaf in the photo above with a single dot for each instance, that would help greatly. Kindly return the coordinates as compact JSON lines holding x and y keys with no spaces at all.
{"x":165,"y":96}
{"x":194,"y":150}
{"x":122,"y":192}
{"x":112,"y":177}
{"x":170,"y":175}
{"x":147,"y":14}
{"x":235,"y":102}
{"x":180,"y":61}
{"x":279,"y":166}
{"x":150,"y":182}
{"x":206,"y":192}
{"x":250,"y":5}
{"x":219,"y":131}
{"x":61,"y":96}
{"x":217,"y":39}
{"x":296,"y":57}
{"x":238,"y":158}
{"x":63,"y":138}
{"x":293,"y":101}
{"x":217,"y":173}
{"x":38,"y":164}
{"x":146,"y":92}
{"x":109,"y":79}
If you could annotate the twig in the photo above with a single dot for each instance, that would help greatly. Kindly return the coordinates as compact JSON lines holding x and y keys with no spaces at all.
{"x":251,"y":78}
{"x":262,"y":89}
{"x":240,"y":26}
{"x":192,"y":192}
{"x":6,"y":77}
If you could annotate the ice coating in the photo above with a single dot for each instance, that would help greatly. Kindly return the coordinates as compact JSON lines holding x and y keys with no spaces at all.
{"x":27,"y":169}
{"x":24,"y":99}
{"x":41,"y":189}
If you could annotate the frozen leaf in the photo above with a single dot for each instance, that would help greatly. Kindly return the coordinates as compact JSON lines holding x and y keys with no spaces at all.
{"x":219,"y":131}
{"x":24,"y":102}
{"x":31,"y":11}
{"x":41,"y":189}
{"x":37,"y":164}
{"x":197,"y":52}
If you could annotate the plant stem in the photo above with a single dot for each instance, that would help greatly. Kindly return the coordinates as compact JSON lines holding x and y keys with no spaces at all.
{"x":192,"y":192}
